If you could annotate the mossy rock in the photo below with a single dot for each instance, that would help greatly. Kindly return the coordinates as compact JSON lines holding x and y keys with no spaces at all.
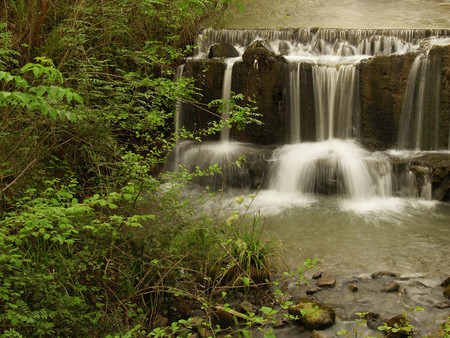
{"x":398,"y":321}
{"x":222,"y":50}
{"x":313,"y":315}
{"x":447,"y":292}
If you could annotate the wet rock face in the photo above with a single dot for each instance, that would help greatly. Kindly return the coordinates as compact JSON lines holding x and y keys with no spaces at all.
{"x":222,"y":50}
{"x":439,"y":168}
{"x":260,"y":77}
{"x":319,"y":319}
{"x":398,"y":321}
{"x":383,"y":84}
{"x":208,"y":75}
{"x":443,"y":54}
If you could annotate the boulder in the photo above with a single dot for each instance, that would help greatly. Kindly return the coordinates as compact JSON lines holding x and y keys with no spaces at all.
{"x":379,"y":274}
{"x":398,"y":321}
{"x":327,"y":281}
{"x":373,"y":320}
{"x":224,"y":319}
{"x":445,"y":304}
{"x":353,"y":288}
{"x":313,"y":315}
{"x":446,"y":292}
{"x":391,"y":287}
{"x":222,"y":50}
{"x":446,"y":282}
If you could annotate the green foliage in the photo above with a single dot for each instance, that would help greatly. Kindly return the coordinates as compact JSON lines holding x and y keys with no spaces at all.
{"x":43,"y":96}
{"x":95,"y":238}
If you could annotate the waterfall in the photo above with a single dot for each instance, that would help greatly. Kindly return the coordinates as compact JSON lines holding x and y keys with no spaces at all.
{"x":421,"y":96}
{"x":294,"y":95}
{"x":324,"y":41}
{"x":334,"y":93}
{"x":226,"y":96}
{"x":320,"y":109}
{"x":178,"y":106}
{"x":178,"y":122}
{"x":331,"y":167}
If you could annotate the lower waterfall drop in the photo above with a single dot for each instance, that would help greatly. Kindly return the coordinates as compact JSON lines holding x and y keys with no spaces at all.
{"x":331,"y":167}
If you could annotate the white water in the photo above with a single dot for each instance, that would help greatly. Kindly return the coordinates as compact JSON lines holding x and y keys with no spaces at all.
{"x":329,"y":167}
{"x":423,"y":83}
{"x":334,"y":91}
{"x":307,"y":42}
{"x":226,"y":96}
{"x":294,"y":95}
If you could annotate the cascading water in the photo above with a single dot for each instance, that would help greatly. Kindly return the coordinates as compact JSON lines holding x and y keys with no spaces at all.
{"x":335,"y":162}
{"x":420,"y":111}
{"x":226,"y":96}
{"x":334,"y":89}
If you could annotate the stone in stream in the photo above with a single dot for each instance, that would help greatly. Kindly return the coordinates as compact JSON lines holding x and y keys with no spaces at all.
{"x":446,"y":282}
{"x":353,"y":288}
{"x":398,"y":321}
{"x":446,"y":292}
{"x":444,"y":304}
{"x":373,"y":320}
{"x":312,"y":291}
{"x":391,"y":287}
{"x":317,"y":275}
{"x":379,"y":274}
{"x":313,"y":315}
{"x":326,"y":281}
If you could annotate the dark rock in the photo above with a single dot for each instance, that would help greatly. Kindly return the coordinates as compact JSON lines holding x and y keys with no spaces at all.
{"x":446,"y":282}
{"x":222,"y":50}
{"x":379,"y":274}
{"x":197,"y":321}
{"x":205,"y":333}
{"x":353,"y":288}
{"x":398,"y":321}
{"x":320,"y":334}
{"x":373,"y":320}
{"x":327,"y":281}
{"x":391,"y":287}
{"x":198,"y":313}
{"x":258,"y":52}
{"x":160,"y":321}
{"x":438,"y":165}
{"x":247,"y":307}
{"x":312,"y":291}
{"x":446,"y":292}
{"x":261,"y":80}
{"x":224,"y":319}
{"x":283,"y":48}
{"x":317,"y":275}
{"x":383,"y":84}
{"x":319,"y":319}
{"x":445,"y":304}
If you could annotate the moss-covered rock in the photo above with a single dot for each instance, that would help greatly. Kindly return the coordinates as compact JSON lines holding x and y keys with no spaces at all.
{"x":313,"y":315}
{"x":447,"y":292}
{"x":401,"y":325}
{"x":222,"y":50}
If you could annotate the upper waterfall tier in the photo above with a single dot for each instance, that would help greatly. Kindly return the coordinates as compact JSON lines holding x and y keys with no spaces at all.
{"x":315,"y":42}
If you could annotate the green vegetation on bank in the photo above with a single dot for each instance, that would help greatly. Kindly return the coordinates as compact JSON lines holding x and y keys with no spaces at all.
{"x":96,"y":237}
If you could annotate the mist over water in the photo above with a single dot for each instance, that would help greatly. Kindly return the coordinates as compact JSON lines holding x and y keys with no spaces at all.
{"x":370,"y":14}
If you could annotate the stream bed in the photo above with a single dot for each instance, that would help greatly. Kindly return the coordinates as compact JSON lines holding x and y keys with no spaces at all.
{"x":406,"y":239}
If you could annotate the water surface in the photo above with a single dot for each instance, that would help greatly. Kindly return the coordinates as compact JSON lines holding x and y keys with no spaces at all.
{"x":379,"y":14}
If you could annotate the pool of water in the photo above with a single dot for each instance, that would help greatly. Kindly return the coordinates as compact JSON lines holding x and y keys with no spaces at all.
{"x":407,"y":237}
